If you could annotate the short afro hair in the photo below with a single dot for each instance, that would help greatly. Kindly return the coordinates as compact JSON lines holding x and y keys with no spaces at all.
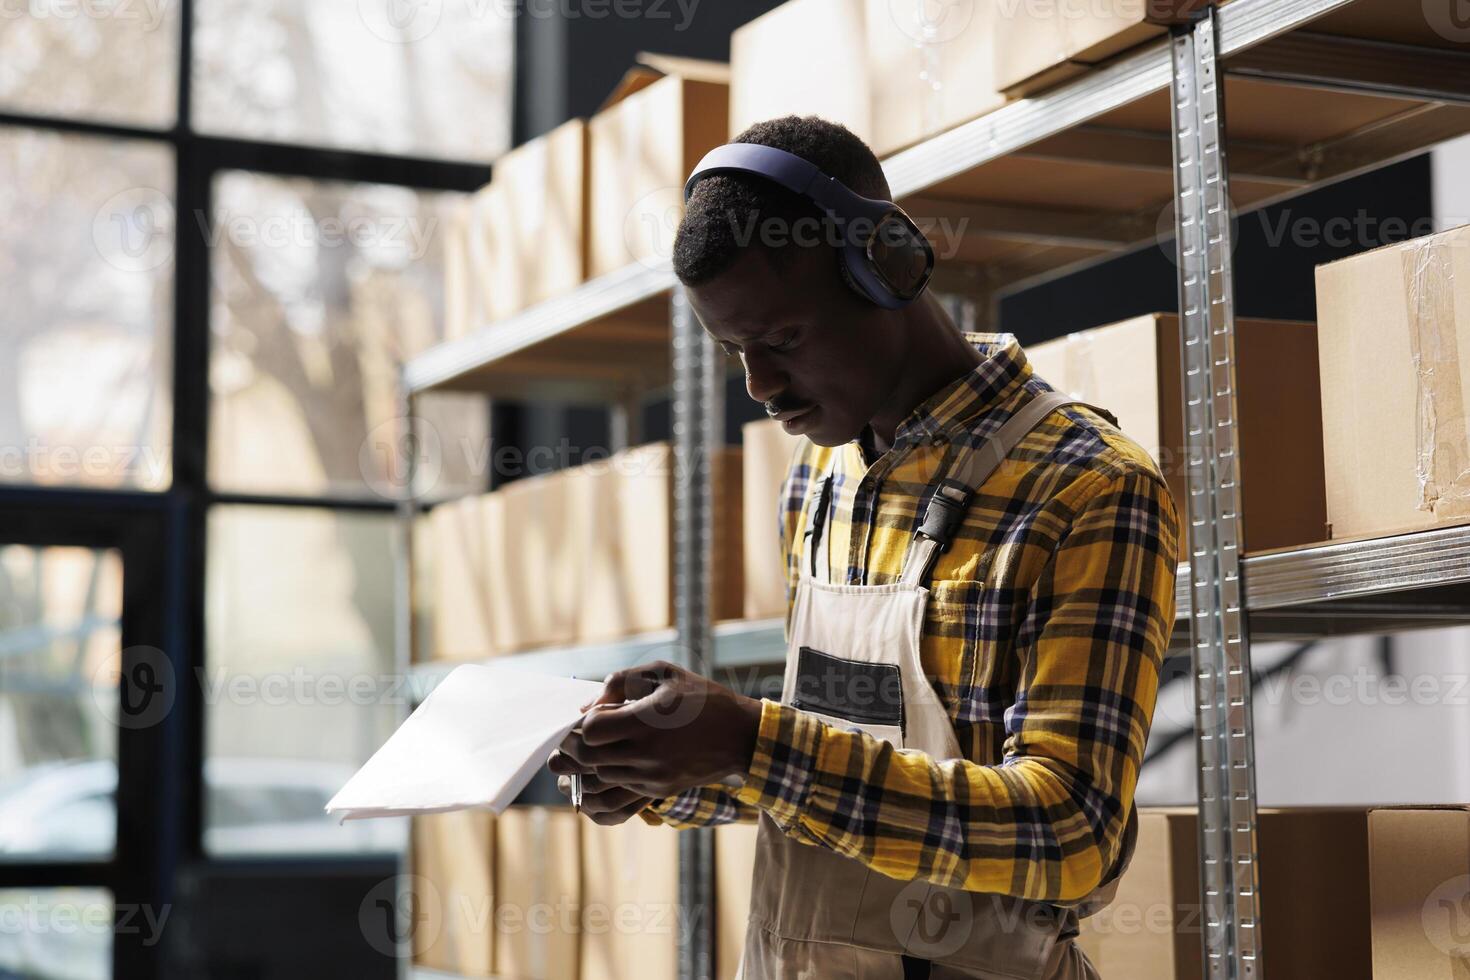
{"x":710,"y":237}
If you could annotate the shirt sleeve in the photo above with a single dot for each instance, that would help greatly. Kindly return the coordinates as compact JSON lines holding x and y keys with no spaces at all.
{"x":1046,"y":824}
{"x":703,"y":806}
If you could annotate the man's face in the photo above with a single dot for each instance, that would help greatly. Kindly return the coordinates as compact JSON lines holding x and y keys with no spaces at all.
{"x":824,"y":357}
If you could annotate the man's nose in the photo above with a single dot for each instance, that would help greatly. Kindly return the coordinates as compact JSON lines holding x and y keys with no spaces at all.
{"x":763,"y":380}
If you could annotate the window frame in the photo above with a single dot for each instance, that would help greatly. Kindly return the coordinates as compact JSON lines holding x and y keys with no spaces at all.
{"x":161,"y":534}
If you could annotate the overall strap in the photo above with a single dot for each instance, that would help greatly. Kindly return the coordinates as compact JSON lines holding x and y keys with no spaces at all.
{"x":817,"y":541}
{"x":952,"y":497}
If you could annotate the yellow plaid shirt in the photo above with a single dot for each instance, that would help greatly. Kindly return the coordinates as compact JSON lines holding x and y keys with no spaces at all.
{"x":1044,"y":634}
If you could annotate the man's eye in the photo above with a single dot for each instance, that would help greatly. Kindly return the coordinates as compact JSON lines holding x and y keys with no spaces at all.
{"x":785,"y":342}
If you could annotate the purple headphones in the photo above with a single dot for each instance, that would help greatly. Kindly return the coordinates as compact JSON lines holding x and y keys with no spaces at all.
{"x":886,"y":254}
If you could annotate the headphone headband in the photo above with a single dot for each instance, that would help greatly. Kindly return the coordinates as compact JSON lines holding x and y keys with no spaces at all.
{"x":890,"y":277}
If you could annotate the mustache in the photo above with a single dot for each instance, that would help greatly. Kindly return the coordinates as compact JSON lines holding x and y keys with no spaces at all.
{"x":784,"y":403}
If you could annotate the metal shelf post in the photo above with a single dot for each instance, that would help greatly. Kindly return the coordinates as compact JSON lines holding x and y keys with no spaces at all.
{"x":698,"y":431}
{"x":1218,"y":630}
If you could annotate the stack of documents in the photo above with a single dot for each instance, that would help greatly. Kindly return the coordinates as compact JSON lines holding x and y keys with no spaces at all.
{"x":475,"y":742}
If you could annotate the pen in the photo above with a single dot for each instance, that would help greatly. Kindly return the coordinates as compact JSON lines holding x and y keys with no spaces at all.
{"x":576,"y":787}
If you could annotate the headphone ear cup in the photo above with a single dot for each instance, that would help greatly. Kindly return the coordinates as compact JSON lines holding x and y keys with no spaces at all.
{"x":847,"y":277}
{"x":902,"y":256}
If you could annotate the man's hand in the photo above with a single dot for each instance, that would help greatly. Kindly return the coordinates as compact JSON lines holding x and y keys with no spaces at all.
{"x":676,"y":731}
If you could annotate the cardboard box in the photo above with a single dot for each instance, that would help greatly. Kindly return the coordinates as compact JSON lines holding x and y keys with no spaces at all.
{"x":537,"y":550}
{"x":892,"y":71}
{"x":1394,"y":323}
{"x":932,"y":65}
{"x":462,"y":589}
{"x":734,"y":866}
{"x":1038,"y":45}
{"x":1132,"y":368}
{"x":630,"y":921}
{"x":530,"y":229}
{"x":1420,"y":892}
{"x":768,"y":453}
{"x":453,"y":889}
{"x":538,"y":891}
{"x":664,"y":116}
{"x":1314,"y":898}
{"x":627,"y":505}
{"x":461,"y":292}
{"x":804,"y":58}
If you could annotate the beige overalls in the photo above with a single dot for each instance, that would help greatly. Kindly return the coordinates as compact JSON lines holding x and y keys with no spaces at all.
{"x":853,"y":660}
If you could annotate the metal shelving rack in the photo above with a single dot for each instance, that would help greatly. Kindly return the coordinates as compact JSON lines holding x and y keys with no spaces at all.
{"x":1321,"y":90}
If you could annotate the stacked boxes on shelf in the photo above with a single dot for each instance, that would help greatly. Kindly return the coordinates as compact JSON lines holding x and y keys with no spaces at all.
{"x":734,"y":868}
{"x":522,"y":238}
{"x":538,"y":893}
{"x":665,"y":114}
{"x":453,"y":892}
{"x":630,"y":923}
{"x":1038,"y":45}
{"x":581,"y":555}
{"x":892,"y":71}
{"x":1344,"y":893}
{"x":1132,"y":369}
{"x":768,"y":451}
{"x":1395,"y":323}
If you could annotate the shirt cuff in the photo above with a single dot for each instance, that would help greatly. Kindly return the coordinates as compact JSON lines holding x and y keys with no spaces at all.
{"x":787,"y":746}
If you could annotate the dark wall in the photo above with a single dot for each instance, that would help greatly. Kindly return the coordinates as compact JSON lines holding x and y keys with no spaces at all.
{"x":1276,"y":251}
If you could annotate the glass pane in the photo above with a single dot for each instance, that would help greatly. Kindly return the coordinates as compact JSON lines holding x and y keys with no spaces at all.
{"x":86,"y":255}
{"x":62,"y":933}
{"x":112,"y":61}
{"x":419,"y":78}
{"x":60,"y":645}
{"x":298,"y":692}
{"x":321,"y":291}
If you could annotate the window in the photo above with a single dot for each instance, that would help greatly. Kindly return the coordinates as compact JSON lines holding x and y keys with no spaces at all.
{"x":59,"y":648}
{"x":321,"y":292}
{"x":86,"y":252}
{"x":297,"y":684}
{"x":419,"y":78}
{"x":113,"y":61}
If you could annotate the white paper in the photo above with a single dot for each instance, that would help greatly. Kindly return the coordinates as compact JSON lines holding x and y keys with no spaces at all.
{"x":474,"y":742}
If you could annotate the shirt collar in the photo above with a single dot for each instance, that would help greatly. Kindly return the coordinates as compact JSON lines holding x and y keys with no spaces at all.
{"x":1003,"y":371}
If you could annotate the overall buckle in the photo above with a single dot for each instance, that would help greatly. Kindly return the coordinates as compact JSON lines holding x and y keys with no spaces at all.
{"x":942,"y":515}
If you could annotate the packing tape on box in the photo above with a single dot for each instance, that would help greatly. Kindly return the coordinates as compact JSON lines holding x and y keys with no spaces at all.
{"x":1442,"y":455}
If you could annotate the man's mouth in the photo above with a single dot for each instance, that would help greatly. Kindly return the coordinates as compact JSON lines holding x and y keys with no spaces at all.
{"x":787,"y":414}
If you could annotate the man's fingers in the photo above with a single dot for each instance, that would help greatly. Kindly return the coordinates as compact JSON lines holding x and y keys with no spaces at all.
{"x":562,"y":764}
{"x":604,"y":726}
{"x":623,"y":814}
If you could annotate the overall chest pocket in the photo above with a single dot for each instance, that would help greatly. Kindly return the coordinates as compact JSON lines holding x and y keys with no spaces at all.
{"x":849,"y":693}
